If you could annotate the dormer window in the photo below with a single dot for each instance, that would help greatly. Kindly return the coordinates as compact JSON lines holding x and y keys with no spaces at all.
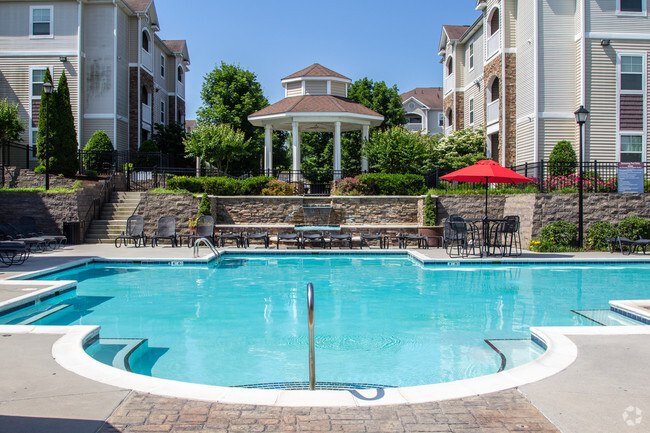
{"x":145,"y":41}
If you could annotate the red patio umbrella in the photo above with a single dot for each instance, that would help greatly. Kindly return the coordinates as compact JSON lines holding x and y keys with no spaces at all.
{"x":486,"y":171}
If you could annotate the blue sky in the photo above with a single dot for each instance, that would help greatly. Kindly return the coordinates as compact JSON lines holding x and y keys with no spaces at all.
{"x":391,"y":41}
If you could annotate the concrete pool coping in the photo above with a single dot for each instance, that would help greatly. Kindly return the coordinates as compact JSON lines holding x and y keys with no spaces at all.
{"x":68,"y":352}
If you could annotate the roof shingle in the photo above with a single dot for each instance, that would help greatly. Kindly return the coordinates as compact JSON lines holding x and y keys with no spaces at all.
{"x":315,"y":70}
{"x":430,"y":96}
{"x":315,"y":104}
{"x":138,"y":5}
{"x":455,"y":32}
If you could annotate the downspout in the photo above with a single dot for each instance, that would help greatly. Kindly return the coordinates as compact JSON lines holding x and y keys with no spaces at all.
{"x":115,"y":74}
{"x":80,"y":76}
{"x":138,"y":91}
{"x":583,"y":84}
{"x":536,"y":82}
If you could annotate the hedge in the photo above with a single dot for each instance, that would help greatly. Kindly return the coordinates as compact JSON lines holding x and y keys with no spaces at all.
{"x":393,"y":184}
{"x":220,"y":185}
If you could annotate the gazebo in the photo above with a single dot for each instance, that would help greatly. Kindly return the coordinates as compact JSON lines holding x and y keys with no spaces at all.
{"x":315,"y":101}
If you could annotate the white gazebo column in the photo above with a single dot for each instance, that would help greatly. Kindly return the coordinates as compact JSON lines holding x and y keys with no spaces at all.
{"x":295,"y":148}
{"x":268,"y":149}
{"x":337,"y":150}
{"x":365,"y":135}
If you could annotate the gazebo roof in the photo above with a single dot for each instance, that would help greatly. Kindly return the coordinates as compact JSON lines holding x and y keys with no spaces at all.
{"x":315,"y":104}
{"x":315,"y":70}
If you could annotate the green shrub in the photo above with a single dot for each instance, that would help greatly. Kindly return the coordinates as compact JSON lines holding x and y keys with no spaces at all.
{"x":40,"y":169}
{"x":559,"y":234}
{"x":77,"y":184}
{"x":91,"y":174}
{"x":562,"y":161}
{"x":222,"y":186}
{"x":596,"y":234}
{"x":98,"y":150}
{"x":430,"y":211}
{"x":147,"y":154}
{"x":191,"y":184}
{"x":393,"y":184}
{"x":254,"y":185}
{"x":350,"y":186}
{"x":204,"y":206}
{"x":277,"y":187}
{"x":634,"y":228}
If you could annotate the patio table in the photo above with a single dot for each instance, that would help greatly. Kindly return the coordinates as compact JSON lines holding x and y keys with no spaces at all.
{"x":485,"y":231}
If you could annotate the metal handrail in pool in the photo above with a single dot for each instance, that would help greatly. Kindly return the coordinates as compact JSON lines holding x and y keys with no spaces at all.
{"x":207,"y":243}
{"x":310,"y":320}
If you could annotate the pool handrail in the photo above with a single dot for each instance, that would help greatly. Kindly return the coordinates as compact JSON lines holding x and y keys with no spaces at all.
{"x":207,"y":243}
{"x":310,"y":320}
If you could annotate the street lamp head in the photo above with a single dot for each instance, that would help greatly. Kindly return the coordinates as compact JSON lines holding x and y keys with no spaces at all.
{"x":581,"y":115}
{"x":48,"y":88}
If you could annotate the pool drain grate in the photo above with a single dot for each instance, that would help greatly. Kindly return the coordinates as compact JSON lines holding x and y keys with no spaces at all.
{"x":330,"y":386}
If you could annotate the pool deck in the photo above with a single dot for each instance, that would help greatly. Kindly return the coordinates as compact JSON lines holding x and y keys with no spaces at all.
{"x":604,"y":390}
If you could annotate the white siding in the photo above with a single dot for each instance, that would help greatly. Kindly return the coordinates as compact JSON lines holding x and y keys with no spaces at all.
{"x":122,"y":64}
{"x":433,"y":123}
{"x":525,"y":62}
{"x":122,"y":136}
{"x":316,"y":87}
{"x":338,"y":89}
{"x":92,"y":125}
{"x":510,"y":23}
{"x":603,"y":18}
{"x":294,"y":89}
{"x":477,"y":71}
{"x":525,"y":142}
{"x":99,"y":64}
{"x":15,"y":27}
{"x":557,"y":56}
{"x":553,"y":130}
{"x":479,"y":115}
{"x":134,"y":40}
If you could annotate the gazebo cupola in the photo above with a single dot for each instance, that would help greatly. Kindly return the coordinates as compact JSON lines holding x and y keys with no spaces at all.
{"x":315,"y":101}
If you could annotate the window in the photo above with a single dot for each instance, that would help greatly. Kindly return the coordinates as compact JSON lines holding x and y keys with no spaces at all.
{"x":180,"y":74}
{"x":631,"y":148}
{"x":471,"y":56}
{"x":631,"y":5}
{"x":494,"y":22}
{"x":441,"y":120}
{"x":450,"y":66}
{"x":162,"y":112}
{"x":37,"y":75}
{"x":471,"y":111}
{"x":631,"y":73}
{"x":162,"y":65}
{"x":41,"y":21}
{"x":145,"y":41}
{"x":413,"y":119}
{"x":144,"y":95}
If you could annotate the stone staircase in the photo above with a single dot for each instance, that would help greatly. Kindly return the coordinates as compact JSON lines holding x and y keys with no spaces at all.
{"x":112,"y":220}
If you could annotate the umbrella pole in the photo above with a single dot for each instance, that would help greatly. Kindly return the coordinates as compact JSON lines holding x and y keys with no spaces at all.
{"x":486,"y":197}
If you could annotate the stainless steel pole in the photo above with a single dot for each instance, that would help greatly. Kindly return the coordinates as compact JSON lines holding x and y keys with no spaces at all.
{"x":310,"y":315}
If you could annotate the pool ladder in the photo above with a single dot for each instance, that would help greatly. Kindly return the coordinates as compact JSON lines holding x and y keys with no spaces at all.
{"x":208,"y":244}
{"x":310,"y":321}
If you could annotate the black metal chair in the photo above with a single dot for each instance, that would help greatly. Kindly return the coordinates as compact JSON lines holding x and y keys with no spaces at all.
{"x":166,"y":230}
{"x":288,"y":237}
{"x":13,"y":252}
{"x":313,"y":238}
{"x":204,"y":229}
{"x":237,"y":237}
{"x":134,"y":232}
{"x":256,"y":236}
{"x":506,"y":235}
{"x":421,"y":241}
{"x":27,"y":226}
{"x":457,"y":235}
{"x":342,"y":239}
{"x":37,"y":243}
{"x":364,"y":238}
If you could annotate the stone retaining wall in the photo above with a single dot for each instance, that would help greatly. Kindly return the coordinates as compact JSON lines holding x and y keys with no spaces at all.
{"x":25,"y":178}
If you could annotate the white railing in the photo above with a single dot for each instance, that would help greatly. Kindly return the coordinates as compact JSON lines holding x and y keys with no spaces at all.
{"x":492,"y":112}
{"x":447,"y":131}
{"x":449,"y":83}
{"x":146,"y":114}
{"x":413,"y":126}
{"x":180,"y":89}
{"x":493,"y":43}
{"x":147,"y":61}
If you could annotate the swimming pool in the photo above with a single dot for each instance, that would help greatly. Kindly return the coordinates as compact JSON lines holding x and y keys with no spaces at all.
{"x":381,"y":320}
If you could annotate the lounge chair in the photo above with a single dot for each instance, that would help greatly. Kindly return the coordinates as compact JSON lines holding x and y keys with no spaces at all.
{"x":256,"y":236}
{"x":624,"y":244}
{"x":421,"y":241}
{"x":9,"y":233}
{"x":288,"y":237}
{"x":237,"y":237}
{"x":13,"y":252}
{"x":134,"y":232}
{"x":166,"y":230}
{"x":343,"y":238}
{"x":314,"y":238}
{"x":204,"y":229}
{"x":29,"y":227}
{"x":369,"y":237}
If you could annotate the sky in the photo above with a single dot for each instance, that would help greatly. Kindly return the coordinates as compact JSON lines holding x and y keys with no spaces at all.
{"x":391,"y":41}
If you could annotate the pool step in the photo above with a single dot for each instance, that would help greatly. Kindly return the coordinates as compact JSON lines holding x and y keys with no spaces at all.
{"x":606,"y":318}
{"x":32,"y":314}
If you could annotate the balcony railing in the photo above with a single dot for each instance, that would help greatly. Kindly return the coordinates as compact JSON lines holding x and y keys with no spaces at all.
{"x":147,"y":61}
{"x":493,"y":43}
{"x":180,"y":89}
{"x":146,"y":114}
{"x":492,"y":112}
{"x":447,"y":131}
{"x":449,"y":83}
{"x":414,"y":127}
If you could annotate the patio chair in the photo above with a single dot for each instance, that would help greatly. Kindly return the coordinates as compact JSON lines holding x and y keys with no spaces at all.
{"x":134,"y":232}
{"x":256,"y":236}
{"x":19,"y":232}
{"x":9,"y":233}
{"x":342,"y":239}
{"x":166,"y":230}
{"x":421,"y":241}
{"x":223,"y":237}
{"x":28,"y":224}
{"x":364,"y":238}
{"x":458,"y":236}
{"x":506,"y":235}
{"x":13,"y":252}
{"x":624,"y":244}
{"x":313,"y":238}
{"x":204,"y":229}
{"x":288,"y":237}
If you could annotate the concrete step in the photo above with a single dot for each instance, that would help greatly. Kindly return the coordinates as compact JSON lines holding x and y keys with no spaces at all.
{"x":120,"y":205}
{"x":120,"y":214}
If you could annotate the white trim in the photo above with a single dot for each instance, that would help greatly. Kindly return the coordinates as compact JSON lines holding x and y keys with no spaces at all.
{"x":329,"y":87}
{"x":556,"y":115}
{"x":99,"y":116}
{"x":502,"y":96}
{"x":643,"y":92}
{"x":122,"y":118}
{"x":163,"y":67}
{"x":31,"y":22}
{"x":492,"y":129}
{"x":583,"y":54}
{"x":471,"y":115}
{"x":526,"y":119}
{"x":577,"y":37}
{"x":32,"y":97}
{"x":470,"y":56}
{"x":330,"y":114}
{"x":629,"y":36}
{"x":162,"y":112}
{"x":53,"y":53}
{"x":643,"y":13}
{"x":325,"y":78}
{"x":510,"y":50}
{"x":416,"y":100}
{"x":134,"y":65}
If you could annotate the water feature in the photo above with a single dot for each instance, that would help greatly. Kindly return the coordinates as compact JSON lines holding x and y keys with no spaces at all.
{"x":317,"y":214}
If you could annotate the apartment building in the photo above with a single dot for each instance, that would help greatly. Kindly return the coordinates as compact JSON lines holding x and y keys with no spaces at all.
{"x":524,"y":66}
{"x":423,"y":108}
{"x":123,"y":77}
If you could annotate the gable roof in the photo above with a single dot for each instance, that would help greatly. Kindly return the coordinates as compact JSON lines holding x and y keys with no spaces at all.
{"x":431,"y":97}
{"x":175,"y":46}
{"x":315,"y":104}
{"x":454,"y":32}
{"x":315,"y":70}
{"x":138,"y":5}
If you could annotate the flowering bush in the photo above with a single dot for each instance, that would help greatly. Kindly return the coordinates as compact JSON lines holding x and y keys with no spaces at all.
{"x":570,"y":183}
{"x":350,"y":186}
{"x":277,"y":187}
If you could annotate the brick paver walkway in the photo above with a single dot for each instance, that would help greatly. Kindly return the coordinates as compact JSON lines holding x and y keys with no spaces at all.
{"x":501,"y":412}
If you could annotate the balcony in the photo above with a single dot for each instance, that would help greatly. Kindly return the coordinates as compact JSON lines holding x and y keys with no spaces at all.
{"x":493,"y":43}
{"x":147,"y":61}
{"x":146,"y":114}
{"x":492,"y":112}
{"x":180,"y":89}
{"x":414,"y":127}
{"x":447,"y":131}
{"x":449,"y":83}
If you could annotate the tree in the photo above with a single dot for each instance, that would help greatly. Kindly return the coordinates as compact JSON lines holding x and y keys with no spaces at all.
{"x":169,"y":138}
{"x":45,"y":110}
{"x":98,"y":151}
{"x":563,"y":160}
{"x":457,"y":150}
{"x":219,"y":145}
{"x":230,"y":94}
{"x":63,"y":152}
{"x":148,"y":154}
{"x":10,"y":124}
{"x":397,"y":150}
{"x":380,"y":98}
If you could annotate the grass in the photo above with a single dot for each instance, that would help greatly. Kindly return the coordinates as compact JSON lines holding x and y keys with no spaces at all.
{"x":168,"y":191}
{"x":39,"y":189}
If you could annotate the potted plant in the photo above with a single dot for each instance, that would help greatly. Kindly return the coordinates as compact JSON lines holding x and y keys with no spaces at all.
{"x":192,"y":224}
{"x":430,"y":228}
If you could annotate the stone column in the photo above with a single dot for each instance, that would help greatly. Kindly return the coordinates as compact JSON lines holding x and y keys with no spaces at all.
{"x":295,"y":148}
{"x":268,"y":149}
{"x":337,"y":150}
{"x":365,"y":135}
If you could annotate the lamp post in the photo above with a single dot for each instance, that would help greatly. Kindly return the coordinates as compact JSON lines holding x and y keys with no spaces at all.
{"x":581,"y":118}
{"x":48,"y":88}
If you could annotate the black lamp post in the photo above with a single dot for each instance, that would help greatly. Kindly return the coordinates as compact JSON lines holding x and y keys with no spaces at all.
{"x":48,"y":88}
{"x":581,"y":118}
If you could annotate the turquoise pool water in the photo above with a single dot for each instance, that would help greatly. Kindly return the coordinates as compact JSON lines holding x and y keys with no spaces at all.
{"x":388,"y":321}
